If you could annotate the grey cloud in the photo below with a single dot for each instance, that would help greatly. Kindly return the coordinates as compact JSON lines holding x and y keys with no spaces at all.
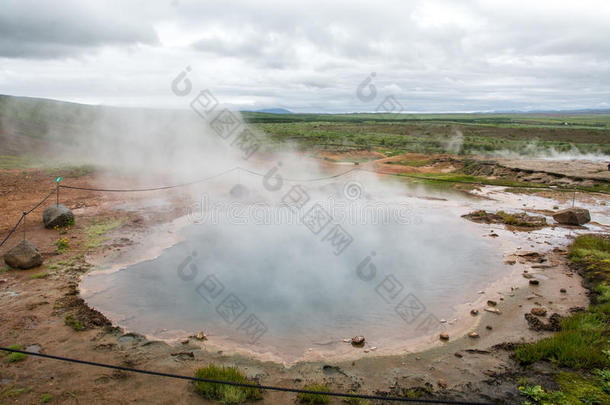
{"x":46,"y":30}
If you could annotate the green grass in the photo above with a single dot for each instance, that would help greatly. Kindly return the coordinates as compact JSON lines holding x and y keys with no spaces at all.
{"x":313,"y":399}
{"x":578,"y":345}
{"x":11,"y":392}
{"x":16,"y":357}
{"x":97,"y":230}
{"x":74,"y":323}
{"x":224,"y":393}
{"x":583,"y":340}
{"x":44,"y":398}
{"x":592,"y":252}
{"x":39,"y":275}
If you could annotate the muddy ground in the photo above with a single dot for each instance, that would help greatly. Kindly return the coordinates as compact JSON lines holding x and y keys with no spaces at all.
{"x":34,"y":306}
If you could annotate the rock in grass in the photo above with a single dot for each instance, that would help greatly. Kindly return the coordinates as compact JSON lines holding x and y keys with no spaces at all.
{"x":473,"y":335}
{"x":572,"y":216}
{"x":444,"y":336}
{"x":23,"y":256}
{"x":57,"y":215}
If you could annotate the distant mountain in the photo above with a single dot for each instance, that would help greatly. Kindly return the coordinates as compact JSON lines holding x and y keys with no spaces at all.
{"x":274,"y":111}
{"x":560,"y":112}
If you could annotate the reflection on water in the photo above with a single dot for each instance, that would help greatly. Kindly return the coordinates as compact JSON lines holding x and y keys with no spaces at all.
{"x":281,"y":288}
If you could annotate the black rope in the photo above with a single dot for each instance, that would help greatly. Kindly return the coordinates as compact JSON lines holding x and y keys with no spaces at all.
{"x":124,"y":190}
{"x":12,"y":230}
{"x":23,"y":216}
{"x":236,"y":384}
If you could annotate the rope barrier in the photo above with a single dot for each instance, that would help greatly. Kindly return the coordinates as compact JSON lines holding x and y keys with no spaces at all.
{"x":237,"y":168}
{"x":244,"y":385}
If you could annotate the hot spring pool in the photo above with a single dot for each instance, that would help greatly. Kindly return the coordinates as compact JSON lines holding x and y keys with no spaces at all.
{"x":282,"y":290}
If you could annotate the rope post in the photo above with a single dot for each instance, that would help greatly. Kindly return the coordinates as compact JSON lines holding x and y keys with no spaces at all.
{"x":24,"y":216}
{"x":573,"y":198}
{"x":57,"y":193}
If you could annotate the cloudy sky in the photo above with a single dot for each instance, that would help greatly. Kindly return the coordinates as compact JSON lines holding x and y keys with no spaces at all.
{"x":311,"y":56}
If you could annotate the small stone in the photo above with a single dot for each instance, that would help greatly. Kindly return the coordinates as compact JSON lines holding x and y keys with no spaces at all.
{"x":474,"y":312}
{"x":488,"y":327}
{"x":442,"y":383}
{"x":563,"y":290}
{"x":184,"y":341}
{"x":443,"y":321}
{"x":444,"y":336}
{"x":538,"y":311}
{"x":473,"y":335}
{"x":366,"y":350}
{"x":373,"y":348}
{"x":358,"y":340}
{"x":493,"y":310}
{"x":492,"y":303}
{"x":347,"y":340}
{"x":510,"y":262}
{"x":534,"y":282}
{"x":201,"y":336}
{"x":458,"y":355}
{"x":527,"y":275}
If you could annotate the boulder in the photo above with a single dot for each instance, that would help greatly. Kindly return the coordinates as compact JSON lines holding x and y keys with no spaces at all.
{"x":23,"y":256}
{"x":572,"y":216}
{"x":57,"y":215}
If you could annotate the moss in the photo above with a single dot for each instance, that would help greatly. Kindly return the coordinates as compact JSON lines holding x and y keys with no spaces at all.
{"x":225,"y":393}
{"x":581,"y":390}
{"x":39,"y":275}
{"x":313,"y":399}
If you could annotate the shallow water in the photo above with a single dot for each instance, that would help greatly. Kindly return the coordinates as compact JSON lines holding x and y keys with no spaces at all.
{"x":280,"y":288}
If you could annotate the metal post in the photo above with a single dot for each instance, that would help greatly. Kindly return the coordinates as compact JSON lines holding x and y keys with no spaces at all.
{"x":57,"y":201}
{"x":573,"y":198}
{"x":24,"y":217}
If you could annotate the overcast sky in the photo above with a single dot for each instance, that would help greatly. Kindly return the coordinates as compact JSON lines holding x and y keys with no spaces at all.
{"x":311,"y":56}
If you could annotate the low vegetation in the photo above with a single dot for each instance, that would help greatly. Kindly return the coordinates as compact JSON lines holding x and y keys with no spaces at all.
{"x":62,"y":244}
{"x":15,"y":357}
{"x":74,"y":323}
{"x":226,"y":394}
{"x":97,"y":230}
{"x":583,"y":343}
{"x":516,"y":219}
{"x":313,"y":399}
{"x":39,"y":275}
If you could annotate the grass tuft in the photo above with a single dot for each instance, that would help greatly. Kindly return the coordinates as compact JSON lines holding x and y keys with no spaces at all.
{"x":16,"y":357}
{"x":225,"y":394}
{"x":313,"y":399}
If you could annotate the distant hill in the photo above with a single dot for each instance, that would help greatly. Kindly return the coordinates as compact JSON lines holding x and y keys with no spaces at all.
{"x":274,"y":111}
